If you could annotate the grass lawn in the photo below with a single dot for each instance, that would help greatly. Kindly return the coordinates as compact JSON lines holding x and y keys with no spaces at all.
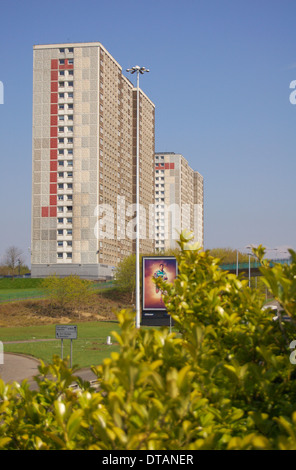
{"x":89,"y":349}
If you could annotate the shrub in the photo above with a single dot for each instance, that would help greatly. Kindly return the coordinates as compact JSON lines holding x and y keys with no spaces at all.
{"x":222,"y":380}
{"x":68,"y":293}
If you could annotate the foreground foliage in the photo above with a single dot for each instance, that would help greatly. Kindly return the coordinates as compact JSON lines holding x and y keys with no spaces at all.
{"x":223,"y":380}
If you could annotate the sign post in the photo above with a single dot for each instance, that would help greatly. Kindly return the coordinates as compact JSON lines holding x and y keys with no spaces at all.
{"x":66,"y":332}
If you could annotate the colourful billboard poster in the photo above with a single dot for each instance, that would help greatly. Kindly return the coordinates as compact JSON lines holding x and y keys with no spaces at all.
{"x":154,"y":267}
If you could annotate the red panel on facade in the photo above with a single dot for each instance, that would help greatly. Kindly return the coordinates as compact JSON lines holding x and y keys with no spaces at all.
{"x":172,"y":166}
{"x":53,"y":165}
{"x":53,"y":154}
{"x":53,"y":120}
{"x":54,"y":75}
{"x":44,"y":211}
{"x":53,"y":131}
{"x":166,"y":166}
{"x":54,"y":86}
{"x":53,"y":212}
{"x":53,"y":143}
{"x":54,"y":64}
{"x":54,"y":98}
{"x":54,"y":109}
{"x":53,"y":177}
{"x":53,"y":189}
{"x":53,"y":200}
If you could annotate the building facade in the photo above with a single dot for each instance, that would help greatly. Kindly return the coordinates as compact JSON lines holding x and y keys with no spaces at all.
{"x":84,"y":161}
{"x":179,"y":201}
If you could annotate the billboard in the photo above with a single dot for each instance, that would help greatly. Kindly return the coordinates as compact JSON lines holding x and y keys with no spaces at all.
{"x":154,"y":267}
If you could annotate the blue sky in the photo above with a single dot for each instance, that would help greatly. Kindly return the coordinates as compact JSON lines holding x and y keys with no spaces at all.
{"x":219,"y":76}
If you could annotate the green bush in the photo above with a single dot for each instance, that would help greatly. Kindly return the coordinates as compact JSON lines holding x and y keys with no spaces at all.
{"x":69,"y":293}
{"x":223,"y":380}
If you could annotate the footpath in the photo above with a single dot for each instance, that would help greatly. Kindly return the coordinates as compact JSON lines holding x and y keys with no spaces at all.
{"x":17,"y":367}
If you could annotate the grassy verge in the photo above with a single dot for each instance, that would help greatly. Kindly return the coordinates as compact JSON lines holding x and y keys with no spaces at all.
{"x":8,"y":295}
{"x":20,"y":283}
{"x":21,"y":289}
{"x":89,"y":349}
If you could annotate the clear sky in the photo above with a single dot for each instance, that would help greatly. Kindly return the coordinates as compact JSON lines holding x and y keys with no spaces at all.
{"x":220,"y":72}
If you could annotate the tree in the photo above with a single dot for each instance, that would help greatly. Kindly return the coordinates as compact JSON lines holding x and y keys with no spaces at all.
{"x":228,"y":255}
{"x":125,"y":275}
{"x":13,"y":259}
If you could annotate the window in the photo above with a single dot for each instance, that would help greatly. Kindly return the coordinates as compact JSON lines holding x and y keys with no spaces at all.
{"x":70,"y":151}
{"x":70,"y":141}
{"x":70,"y":174}
{"x":70,"y":128}
{"x":61,"y":129}
{"x":70,"y":197}
{"x":69,"y":243}
{"x":69,"y":232}
{"x":60,"y":186}
{"x":61,"y":162}
{"x":70,"y":95}
{"x":62,"y":73}
{"x":70,"y":162}
{"x":71,"y":61}
{"x":69,"y":220}
{"x":60,"y":209}
{"x":62,"y":84}
{"x":61,"y":140}
{"x":70,"y":117}
{"x":61,"y":174}
{"x":71,"y":49}
{"x":71,"y":72}
{"x":60,"y":255}
{"x":70,"y":208}
{"x":61,"y":118}
{"x":69,"y":255}
{"x":70,"y":83}
{"x":70,"y":185}
{"x":61,"y":95}
{"x":60,"y":220}
{"x":60,"y":232}
{"x":70,"y":106}
{"x":62,"y":61}
{"x":60,"y":243}
{"x":61,"y":106}
{"x":62,"y":49}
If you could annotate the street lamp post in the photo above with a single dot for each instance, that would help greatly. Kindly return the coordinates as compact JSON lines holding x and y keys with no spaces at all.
{"x":138,"y":70}
{"x":250,"y":247}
